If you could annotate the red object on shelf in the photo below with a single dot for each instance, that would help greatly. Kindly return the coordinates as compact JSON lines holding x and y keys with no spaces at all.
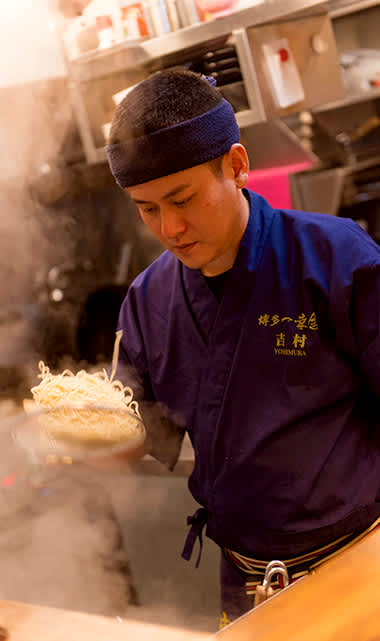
{"x":133,"y":20}
{"x":103,"y":22}
{"x":284,"y":54}
{"x":210,"y":9}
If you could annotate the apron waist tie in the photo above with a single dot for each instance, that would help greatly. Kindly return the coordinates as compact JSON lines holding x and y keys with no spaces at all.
{"x":198,"y":521}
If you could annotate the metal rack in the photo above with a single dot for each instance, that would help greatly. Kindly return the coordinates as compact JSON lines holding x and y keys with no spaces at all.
{"x":345,"y":15}
{"x":340,"y":8}
{"x":349,"y":99}
{"x":139,"y":59}
{"x":123,"y":56}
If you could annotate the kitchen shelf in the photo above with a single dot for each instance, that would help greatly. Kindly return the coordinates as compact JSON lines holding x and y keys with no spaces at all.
{"x":123,"y":56}
{"x":124,"y":64}
{"x":340,"y":8}
{"x":350,"y":99}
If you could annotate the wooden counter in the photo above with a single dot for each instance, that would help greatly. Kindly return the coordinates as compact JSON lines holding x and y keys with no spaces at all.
{"x":340,"y":601}
{"x":26,"y":622}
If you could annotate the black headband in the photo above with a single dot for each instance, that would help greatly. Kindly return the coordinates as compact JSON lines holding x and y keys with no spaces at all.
{"x":181,"y":146}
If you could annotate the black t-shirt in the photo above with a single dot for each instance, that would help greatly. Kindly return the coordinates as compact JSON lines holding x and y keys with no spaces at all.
{"x":217,"y":283}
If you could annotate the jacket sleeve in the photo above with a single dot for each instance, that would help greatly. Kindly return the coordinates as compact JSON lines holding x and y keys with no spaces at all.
{"x":164,"y":434}
{"x":366,"y":312}
{"x":356,"y":301}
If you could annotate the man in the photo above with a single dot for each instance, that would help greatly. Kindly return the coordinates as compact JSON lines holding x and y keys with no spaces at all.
{"x":257,"y":332}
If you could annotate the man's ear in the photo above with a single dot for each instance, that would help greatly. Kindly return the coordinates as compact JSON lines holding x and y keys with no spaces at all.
{"x":239,"y":163}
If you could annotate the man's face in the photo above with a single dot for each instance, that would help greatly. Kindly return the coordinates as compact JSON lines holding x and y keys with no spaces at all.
{"x":198,"y":216}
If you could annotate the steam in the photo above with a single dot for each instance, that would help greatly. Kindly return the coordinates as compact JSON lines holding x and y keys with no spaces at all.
{"x":104,"y":543}
{"x":29,"y":43}
{"x":35,"y":116}
{"x":61,"y":543}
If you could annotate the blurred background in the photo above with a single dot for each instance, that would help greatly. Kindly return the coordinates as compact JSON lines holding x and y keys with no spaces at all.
{"x":304,"y":80}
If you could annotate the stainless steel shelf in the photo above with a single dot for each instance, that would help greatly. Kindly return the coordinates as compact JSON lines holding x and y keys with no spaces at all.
{"x":340,"y":8}
{"x":350,"y":99}
{"x":123,"y":56}
{"x":143,"y":57}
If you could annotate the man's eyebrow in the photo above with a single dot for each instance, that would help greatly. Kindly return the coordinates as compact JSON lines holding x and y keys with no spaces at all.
{"x":176,"y":190}
{"x":140,"y":202}
{"x":170,"y":194}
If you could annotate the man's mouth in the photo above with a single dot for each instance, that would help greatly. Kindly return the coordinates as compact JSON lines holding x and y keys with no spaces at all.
{"x":185,"y":247}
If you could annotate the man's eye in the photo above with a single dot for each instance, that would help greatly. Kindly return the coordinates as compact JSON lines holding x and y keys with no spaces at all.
{"x":148,"y":210}
{"x":181,"y":203}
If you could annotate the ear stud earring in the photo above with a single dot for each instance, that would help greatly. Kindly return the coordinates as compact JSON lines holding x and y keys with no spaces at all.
{"x":242,"y":179}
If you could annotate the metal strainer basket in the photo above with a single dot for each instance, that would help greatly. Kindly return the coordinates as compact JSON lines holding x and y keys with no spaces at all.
{"x":77,"y":432}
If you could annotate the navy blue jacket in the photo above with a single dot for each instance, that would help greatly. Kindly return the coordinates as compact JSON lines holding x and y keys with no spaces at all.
{"x":278,"y":385}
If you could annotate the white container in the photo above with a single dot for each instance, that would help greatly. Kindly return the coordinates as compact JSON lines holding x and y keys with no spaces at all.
{"x":106,"y":34}
{"x":174,"y":20}
{"x":159,"y":17}
{"x":361,"y":70}
{"x":187,"y":12}
{"x":133,"y":20}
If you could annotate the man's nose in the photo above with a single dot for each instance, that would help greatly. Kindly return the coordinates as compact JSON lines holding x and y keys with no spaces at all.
{"x":172,"y":222}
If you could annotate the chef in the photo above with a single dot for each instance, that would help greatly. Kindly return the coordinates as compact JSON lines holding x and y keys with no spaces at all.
{"x":257,"y":332}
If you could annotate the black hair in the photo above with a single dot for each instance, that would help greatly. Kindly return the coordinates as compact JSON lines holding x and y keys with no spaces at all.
{"x":163,"y":99}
